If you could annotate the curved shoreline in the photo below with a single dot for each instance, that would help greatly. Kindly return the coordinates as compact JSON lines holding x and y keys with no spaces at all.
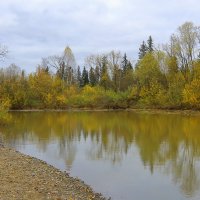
{"x":24,"y":177}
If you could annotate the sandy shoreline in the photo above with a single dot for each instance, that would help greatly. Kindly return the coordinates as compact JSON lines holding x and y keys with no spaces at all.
{"x":24,"y":177}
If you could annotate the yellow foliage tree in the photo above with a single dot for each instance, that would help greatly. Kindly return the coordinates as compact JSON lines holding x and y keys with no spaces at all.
{"x":191,"y":94}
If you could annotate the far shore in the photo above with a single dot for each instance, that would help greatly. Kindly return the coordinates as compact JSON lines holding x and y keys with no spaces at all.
{"x":142,"y":110}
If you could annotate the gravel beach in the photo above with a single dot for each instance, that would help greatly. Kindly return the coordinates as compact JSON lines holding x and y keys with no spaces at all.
{"x":25,"y":178}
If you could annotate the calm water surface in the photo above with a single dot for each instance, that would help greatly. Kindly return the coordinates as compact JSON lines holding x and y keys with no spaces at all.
{"x":124,"y":155}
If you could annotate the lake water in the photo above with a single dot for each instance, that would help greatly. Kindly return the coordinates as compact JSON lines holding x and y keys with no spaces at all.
{"x":123,"y":155}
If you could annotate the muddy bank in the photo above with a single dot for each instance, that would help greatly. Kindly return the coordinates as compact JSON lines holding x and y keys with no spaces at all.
{"x":23,"y":177}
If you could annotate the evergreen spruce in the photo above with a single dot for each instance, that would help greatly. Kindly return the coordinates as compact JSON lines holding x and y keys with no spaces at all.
{"x":150,"y":44}
{"x":142,"y":50}
{"x":104,"y":68}
{"x":79,"y":78}
{"x":85,"y":79}
{"x":124,"y":63}
{"x":129,"y":66}
{"x":92,"y":77}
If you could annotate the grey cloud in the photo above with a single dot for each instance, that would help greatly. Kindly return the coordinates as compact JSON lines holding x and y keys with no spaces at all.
{"x":38,"y":28}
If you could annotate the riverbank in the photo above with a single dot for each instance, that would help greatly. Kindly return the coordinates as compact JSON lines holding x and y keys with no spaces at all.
{"x":141,"y":110}
{"x":23,"y":177}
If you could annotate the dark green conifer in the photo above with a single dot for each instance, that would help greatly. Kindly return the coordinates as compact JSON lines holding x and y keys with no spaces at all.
{"x":92,"y":77}
{"x":150,"y":44}
{"x":85,"y":79}
{"x":124,"y":63}
{"x":79,"y":78}
{"x":142,"y":50}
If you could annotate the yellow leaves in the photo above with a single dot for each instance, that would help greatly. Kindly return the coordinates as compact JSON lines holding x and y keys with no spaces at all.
{"x":40,"y":83}
{"x":148,"y":70}
{"x":176,"y":84}
{"x":97,"y":97}
{"x":48,"y":99}
{"x":196,"y":69}
{"x":154,"y":95}
{"x":191,"y":93}
{"x":71,"y":91}
{"x":60,"y":100}
{"x":89,"y":91}
{"x":55,"y":101}
{"x":87,"y":97}
{"x":48,"y":91}
{"x":133,"y":93}
{"x":4,"y":106}
{"x":172,"y":65}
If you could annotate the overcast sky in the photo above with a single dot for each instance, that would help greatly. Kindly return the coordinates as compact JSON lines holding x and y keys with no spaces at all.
{"x":33,"y":29}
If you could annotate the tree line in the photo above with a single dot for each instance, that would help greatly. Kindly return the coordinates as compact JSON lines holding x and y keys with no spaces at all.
{"x":164,"y":76}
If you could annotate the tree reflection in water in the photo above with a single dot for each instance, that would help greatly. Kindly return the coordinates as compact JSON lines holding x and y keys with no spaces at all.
{"x":168,"y":141}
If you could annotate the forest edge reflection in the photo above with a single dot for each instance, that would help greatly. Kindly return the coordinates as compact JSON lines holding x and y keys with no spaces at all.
{"x":171,"y":141}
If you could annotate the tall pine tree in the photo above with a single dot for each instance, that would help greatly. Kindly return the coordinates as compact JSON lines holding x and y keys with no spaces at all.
{"x":150,"y":44}
{"x":79,"y":79}
{"x":92,"y":77}
{"x":124,"y":63}
{"x":85,"y":79}
{"x":142,"y":50}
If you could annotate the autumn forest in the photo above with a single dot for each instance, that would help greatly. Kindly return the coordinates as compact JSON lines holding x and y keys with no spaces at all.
{"x":164,"y":76}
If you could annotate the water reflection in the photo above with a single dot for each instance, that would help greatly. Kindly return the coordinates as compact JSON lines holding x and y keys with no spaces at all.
{"x":166,"y":142}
